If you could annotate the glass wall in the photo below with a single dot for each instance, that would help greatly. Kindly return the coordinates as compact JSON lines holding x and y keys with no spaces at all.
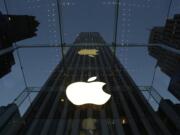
{"x":136,"y":19}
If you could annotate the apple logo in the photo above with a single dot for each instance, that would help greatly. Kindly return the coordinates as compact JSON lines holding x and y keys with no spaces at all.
{"x":89,"y":52}
{"x":91,"y":92}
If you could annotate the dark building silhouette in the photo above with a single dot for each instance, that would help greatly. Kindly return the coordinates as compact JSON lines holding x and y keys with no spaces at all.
{"x":10,"y":119}
{"x":14,"y":28}
{"x":169,"y":35}
{"x":172,"y":32}
{"x":156,"y":35}
{"x":170,"y":114}
{"x":168,"y":52}
{"x":175,"y":85}
{"x":17,"y":27}
{"x":126,"y":113}
{"x":6,"y":62}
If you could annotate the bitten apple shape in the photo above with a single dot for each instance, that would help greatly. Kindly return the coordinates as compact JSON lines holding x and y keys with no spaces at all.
{"x":88,"y":52}
{"x":80,"y":93}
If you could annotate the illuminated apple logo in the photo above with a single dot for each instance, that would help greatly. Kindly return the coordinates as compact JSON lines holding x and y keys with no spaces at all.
{"x":88,"y":52}
{"x":80,"y":93}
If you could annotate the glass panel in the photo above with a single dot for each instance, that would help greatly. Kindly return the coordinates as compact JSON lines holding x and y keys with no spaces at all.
{"x":2,"y":7}
{"x":38,"y":64}
{"x":138,"y":63}
{"x":46,"y":14}
{"x":137,"y":18}
{"x":142,"y":67}
{"x":11,"y":84}
{"x":174,"y":8}
{"x":87,"y":16}
{"x":161,"y":84}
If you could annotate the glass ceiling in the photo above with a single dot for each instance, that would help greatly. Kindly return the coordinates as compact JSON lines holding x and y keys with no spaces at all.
{"x":136,"y":19}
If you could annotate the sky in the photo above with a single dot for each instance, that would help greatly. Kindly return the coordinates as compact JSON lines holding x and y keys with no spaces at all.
{"x":136,"y":18}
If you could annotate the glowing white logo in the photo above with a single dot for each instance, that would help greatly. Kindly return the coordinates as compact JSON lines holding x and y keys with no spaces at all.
{"x":80,"y":93}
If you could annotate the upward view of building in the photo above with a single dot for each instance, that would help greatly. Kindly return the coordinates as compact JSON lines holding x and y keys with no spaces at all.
{"x":168,"y":52}
{"x":101,"y":81}
{"x":126,"y":113}
{"x":14,"y":28}
{"x":170,"y":115}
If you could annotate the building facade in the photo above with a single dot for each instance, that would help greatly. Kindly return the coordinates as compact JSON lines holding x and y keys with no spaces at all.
{"x":170,"y":115}
{"x":167,"y":54}
{"x":168,"y":51}
{"x":126,"y":113}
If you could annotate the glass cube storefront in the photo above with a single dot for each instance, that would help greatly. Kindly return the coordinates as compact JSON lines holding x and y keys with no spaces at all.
{"x":50,"y":44}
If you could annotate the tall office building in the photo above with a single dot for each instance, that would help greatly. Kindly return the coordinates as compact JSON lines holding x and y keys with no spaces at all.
{"x":170,"y":115}
{"x":126,"y":113}
{"x":167,"y":54}
{"x":14,"y":28}
{"x":168,"y":51}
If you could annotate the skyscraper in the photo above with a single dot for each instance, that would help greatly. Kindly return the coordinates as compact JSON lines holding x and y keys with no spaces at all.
{"x":14,"y":28}
{"x":126,"y":113}
{"x":168,"y":59}
{"x":170,"y":115}
{"x":167,"y":53}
